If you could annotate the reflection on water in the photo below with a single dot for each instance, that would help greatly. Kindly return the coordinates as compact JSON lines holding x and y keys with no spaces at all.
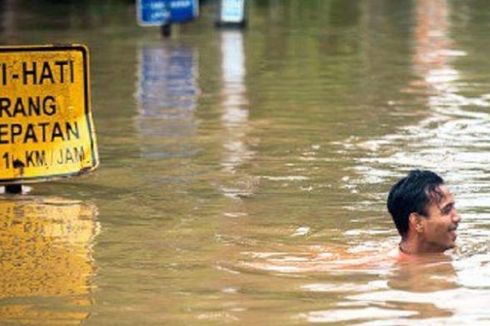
{"x":450,"y":137}
{"x":167,"y":97}
{"x":424,"y":289}
{"x":322,"y":258}
{"x":235,"y":114}
{"x":46,"y":254}
{"x":371,"y":284}
{"x":430,"y":291}
{"x":234,"y":102}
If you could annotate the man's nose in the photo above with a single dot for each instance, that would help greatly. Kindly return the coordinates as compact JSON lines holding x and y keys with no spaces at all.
{"x":456,"y":217}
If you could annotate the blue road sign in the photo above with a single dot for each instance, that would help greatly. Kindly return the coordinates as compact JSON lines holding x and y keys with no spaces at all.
{"x":183,"y":10}
{"x":153,"y":12}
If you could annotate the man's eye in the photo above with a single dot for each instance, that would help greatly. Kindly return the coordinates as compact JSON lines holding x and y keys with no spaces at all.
{"x":447,"y":209}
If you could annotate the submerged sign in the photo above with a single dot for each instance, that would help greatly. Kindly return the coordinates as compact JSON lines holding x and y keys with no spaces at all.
{"x":152,"y":12}
{"x":160,"y":12}
{"x":182,"y":11}
{"x":46,"y":127}
{"x":232,"y":11}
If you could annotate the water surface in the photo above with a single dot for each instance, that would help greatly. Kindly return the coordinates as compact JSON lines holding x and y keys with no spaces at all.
{"x":244,"y":174}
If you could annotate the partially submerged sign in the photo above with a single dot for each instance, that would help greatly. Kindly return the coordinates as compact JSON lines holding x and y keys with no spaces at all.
{"x":231,"y":12}
{"x":152,"y":12}
{"x":161,"y":12}
{"x":182,"y":11}
{"x":46,"y":127}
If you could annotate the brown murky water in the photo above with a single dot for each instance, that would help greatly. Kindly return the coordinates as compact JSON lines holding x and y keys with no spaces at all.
{"x":244,"y":174}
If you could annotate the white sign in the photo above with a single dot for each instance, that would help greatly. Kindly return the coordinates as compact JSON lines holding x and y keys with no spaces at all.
{"x":232,"y":11}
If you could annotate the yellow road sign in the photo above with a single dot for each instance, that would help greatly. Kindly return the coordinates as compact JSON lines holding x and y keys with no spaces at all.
{"x":46,"y":127}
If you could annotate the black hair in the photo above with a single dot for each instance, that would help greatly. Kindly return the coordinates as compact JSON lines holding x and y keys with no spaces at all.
{"x":413,"y":194}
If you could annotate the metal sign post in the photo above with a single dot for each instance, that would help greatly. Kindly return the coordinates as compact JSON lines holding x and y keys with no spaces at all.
{"x":13,"y":189}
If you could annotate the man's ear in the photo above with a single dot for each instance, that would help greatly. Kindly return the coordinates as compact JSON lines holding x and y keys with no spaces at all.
{"x":415,"y":222}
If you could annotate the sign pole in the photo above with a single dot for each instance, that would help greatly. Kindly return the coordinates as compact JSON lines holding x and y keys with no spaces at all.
{"x":166,"y":29}
{"x":13,"y":189}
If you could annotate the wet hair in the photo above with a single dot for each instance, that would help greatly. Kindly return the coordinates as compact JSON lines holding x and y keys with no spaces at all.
{"x":413,"y":194}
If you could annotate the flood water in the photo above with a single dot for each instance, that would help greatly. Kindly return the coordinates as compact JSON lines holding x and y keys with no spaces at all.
{"x":244,"y":174}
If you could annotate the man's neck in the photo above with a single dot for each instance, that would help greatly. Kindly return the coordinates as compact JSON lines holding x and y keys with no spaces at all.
{"x":414,"y":246}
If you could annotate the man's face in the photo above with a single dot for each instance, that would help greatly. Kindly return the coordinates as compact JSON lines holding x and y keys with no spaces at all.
{"x":441,"y":222}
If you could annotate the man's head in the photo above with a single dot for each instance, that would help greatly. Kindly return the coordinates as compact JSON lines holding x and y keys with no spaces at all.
{"x":423,"y":208}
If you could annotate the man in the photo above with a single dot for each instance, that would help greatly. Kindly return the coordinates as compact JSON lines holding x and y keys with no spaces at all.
{"x":423,"y":210}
